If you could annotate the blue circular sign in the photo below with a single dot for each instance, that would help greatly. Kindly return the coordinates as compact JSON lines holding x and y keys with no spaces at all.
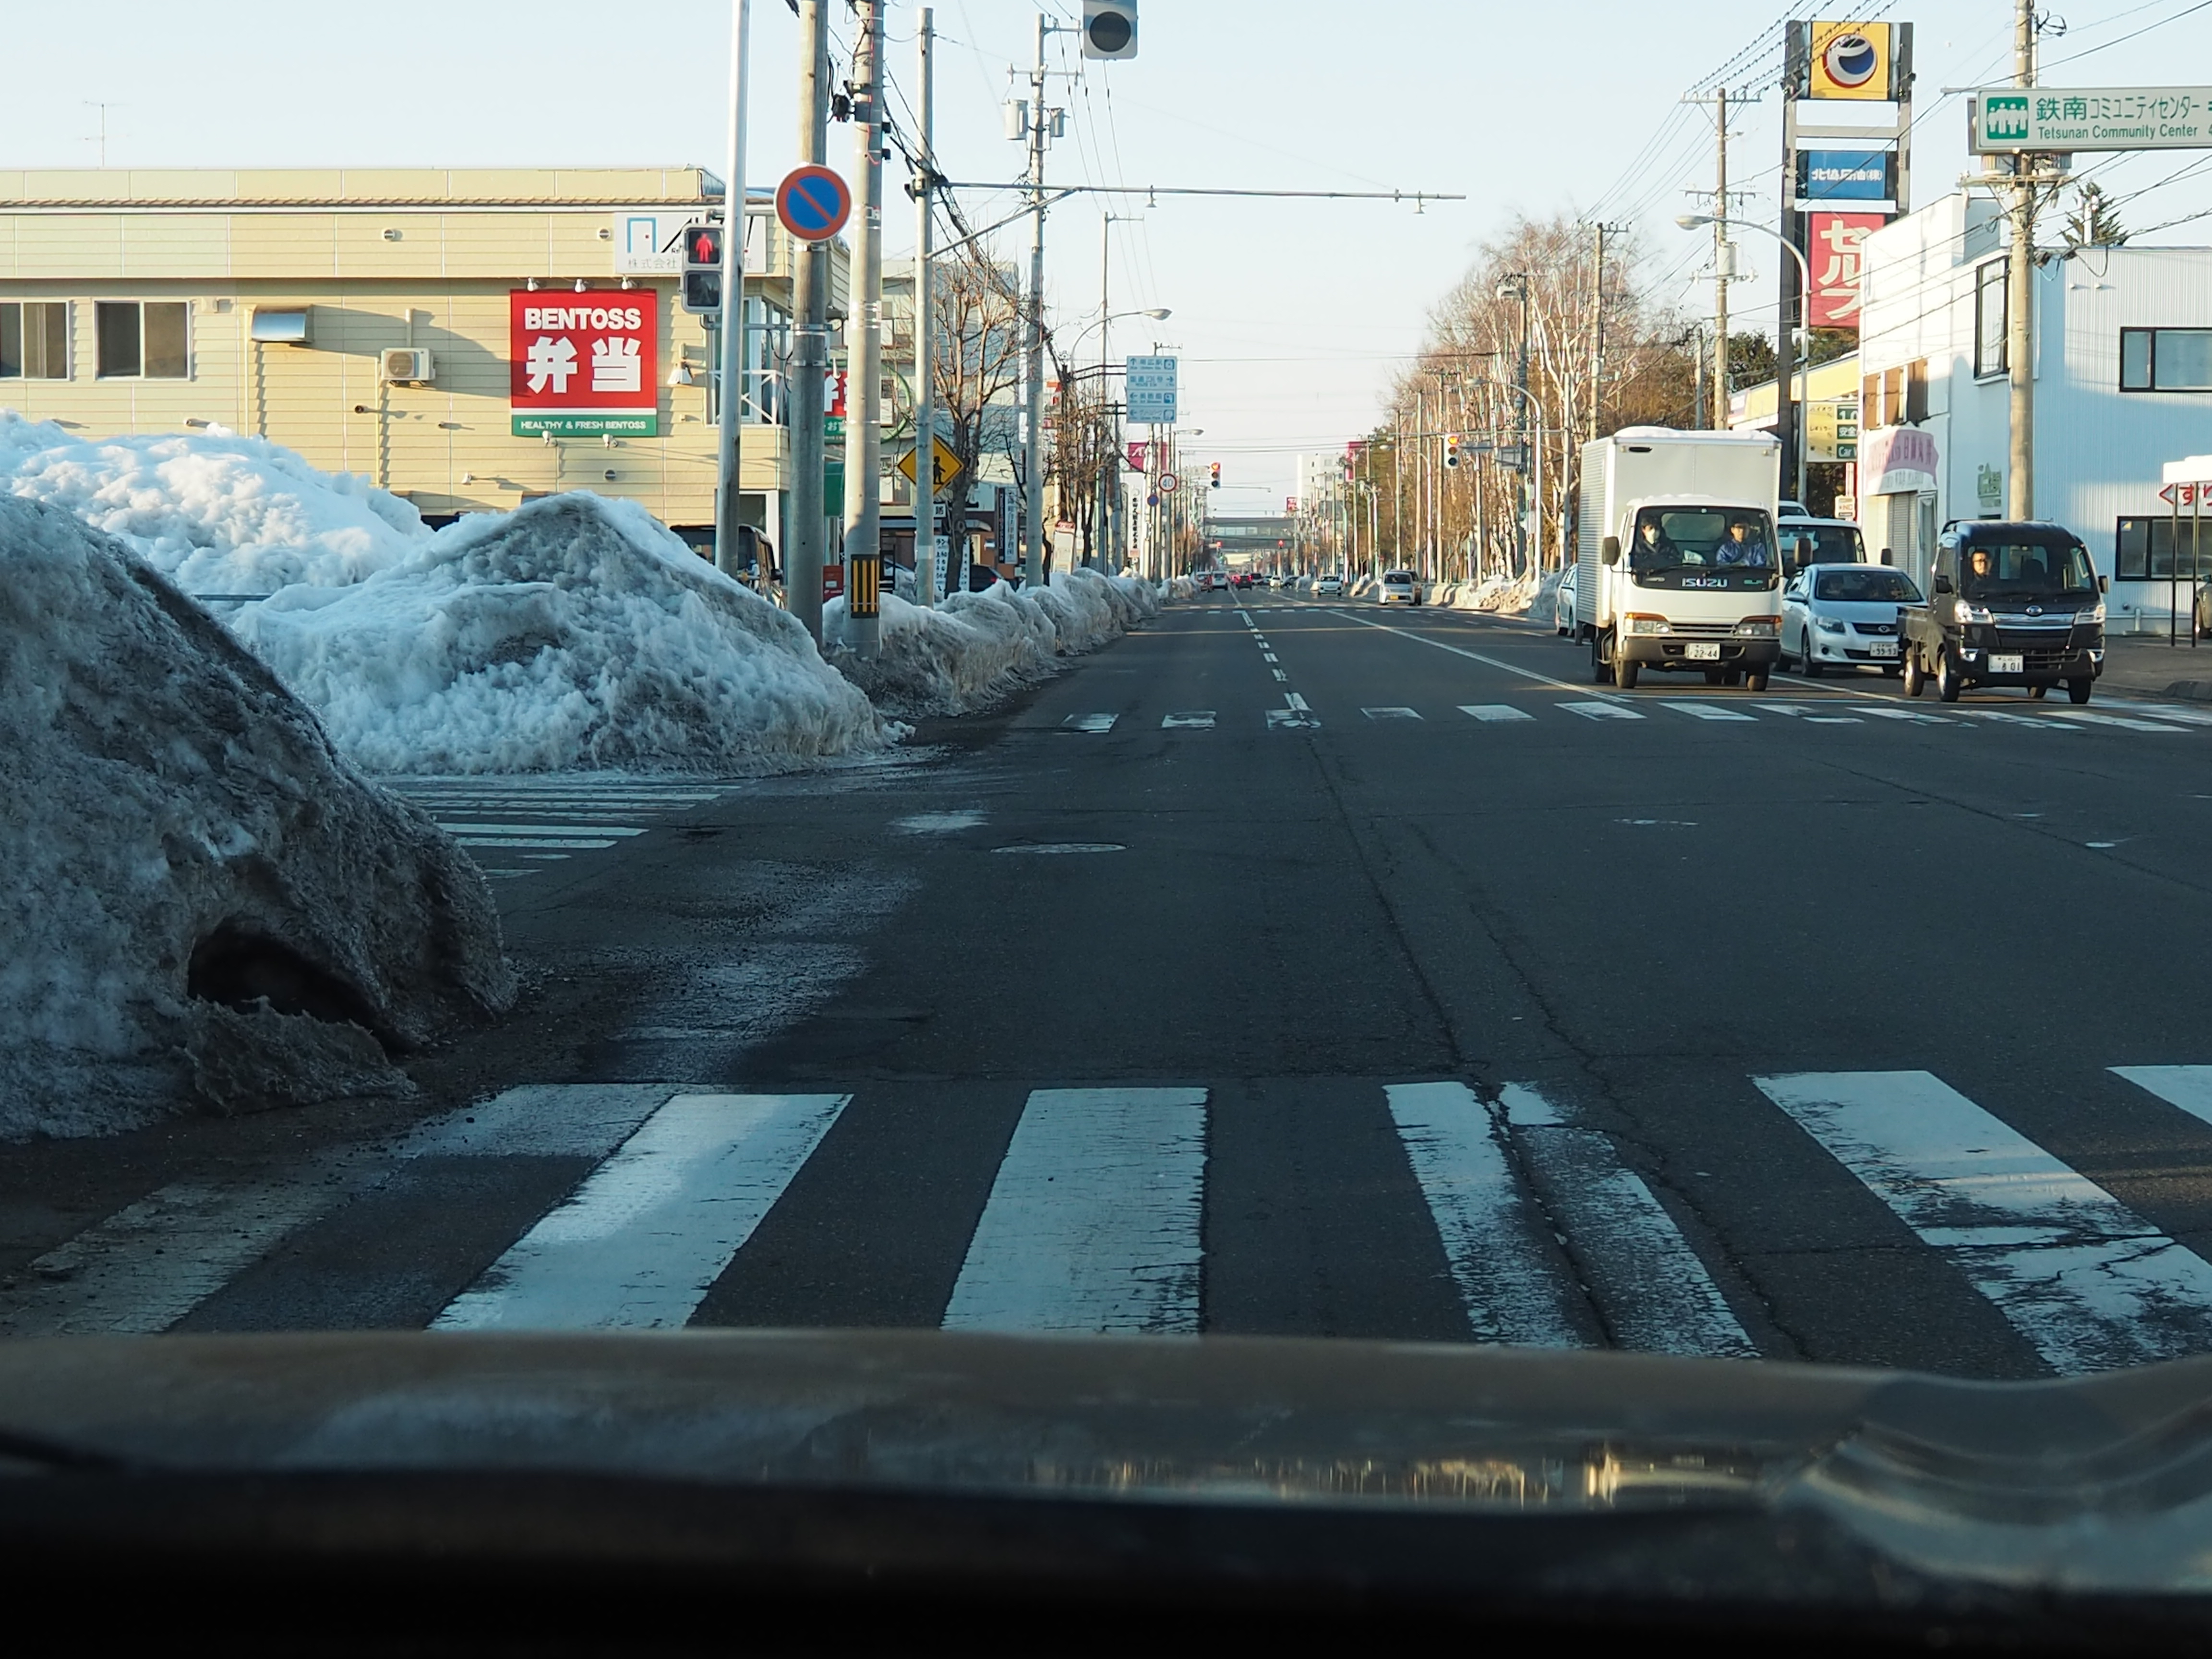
{"x":813,"y":203}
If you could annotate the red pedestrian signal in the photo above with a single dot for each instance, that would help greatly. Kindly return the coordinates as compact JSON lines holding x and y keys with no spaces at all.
{"x":702,"y":269}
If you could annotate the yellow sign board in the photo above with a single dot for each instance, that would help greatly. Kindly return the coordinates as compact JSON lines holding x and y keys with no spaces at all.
{"x":946,"y":470}
{"x":1832,"y":429}
{"x":1852,"y":60}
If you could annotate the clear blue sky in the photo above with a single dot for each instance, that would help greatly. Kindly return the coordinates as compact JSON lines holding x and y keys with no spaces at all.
{"x":1290,"y":316}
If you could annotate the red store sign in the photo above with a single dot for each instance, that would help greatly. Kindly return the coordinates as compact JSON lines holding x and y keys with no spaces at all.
{"x":584,"y":365}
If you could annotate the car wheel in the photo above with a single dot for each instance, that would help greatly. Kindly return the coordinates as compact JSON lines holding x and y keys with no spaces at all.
{"x":1624,"y":670}
{"x":2078,"y":690}
{"x":1949,"y":681}
{"x":1754,"y":679}
{"x":1600,"y":670}
{"x":1805,"y":655}
{"x":2039,"y":692}
{"x":1910,"y":669}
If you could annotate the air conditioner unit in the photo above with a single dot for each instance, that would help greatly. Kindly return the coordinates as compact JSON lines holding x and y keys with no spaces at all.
{"x":405,"y":365}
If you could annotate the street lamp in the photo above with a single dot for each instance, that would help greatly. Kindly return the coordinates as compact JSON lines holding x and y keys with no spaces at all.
{"x":1792,"y":419}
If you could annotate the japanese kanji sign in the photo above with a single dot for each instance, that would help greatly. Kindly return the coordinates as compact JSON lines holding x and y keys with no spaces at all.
{"x":1837,"y":266}
{"x":2052,"y":119}
{"x":582,"y":365}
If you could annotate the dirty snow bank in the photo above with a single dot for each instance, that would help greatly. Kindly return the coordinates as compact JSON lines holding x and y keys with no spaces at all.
{"x":574,"y":633}
{"x":977,"y":648}
{"x":204,"y":904}
{"x":214,"y":512}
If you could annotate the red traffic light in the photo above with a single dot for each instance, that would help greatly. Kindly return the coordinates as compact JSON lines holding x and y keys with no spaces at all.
{"x":702,"y":245}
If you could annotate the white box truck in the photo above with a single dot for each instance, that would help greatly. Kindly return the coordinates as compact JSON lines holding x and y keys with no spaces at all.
{"x":1678,"y":570}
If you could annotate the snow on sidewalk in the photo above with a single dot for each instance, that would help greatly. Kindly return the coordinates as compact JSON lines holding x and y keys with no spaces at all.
{"x":205,"y":904}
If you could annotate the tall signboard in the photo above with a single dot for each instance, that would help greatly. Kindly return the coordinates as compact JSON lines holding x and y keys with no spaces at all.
{"x":1846,"y":171}
{"x":584,"y":365}
{"x":1151,"y":390}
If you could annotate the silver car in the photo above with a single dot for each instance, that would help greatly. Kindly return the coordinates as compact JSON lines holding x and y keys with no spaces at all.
{"x":1563,"y":605}
{"x":1400,"y":587}
{"x":1328,"y":586}
{"x":1845,"y":616}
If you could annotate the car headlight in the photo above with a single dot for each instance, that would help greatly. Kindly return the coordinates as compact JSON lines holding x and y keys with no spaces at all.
{"x":1759,"y":628}
{"x":1974,"y":613}
{"x":1828,"y":625}
{"x":1648,"y":624}
{"x":2093,"y":617}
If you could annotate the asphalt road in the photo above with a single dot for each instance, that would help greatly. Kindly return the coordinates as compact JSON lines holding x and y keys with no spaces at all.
{"x":1296,"y":967}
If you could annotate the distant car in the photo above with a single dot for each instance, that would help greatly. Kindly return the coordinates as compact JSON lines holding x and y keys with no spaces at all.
{"x":1400,"y":587}
{"x":1563,"y":605}
{"x":1818,"y":541}
{"x":1242,"y":578}
{"x":1215,"y":579}
{"x":1328,"y":587}
{"x":1845,"y":616}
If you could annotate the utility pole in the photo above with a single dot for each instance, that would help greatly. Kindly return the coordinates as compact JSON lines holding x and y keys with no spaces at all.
{"x":2020,"y":293}
{"x":1108,"y":441}
{"x":804,"y":536}
{"x":925,"y":405}
{"x":729,"y":491}
{"x":1597,"y":324}
{"x":1721,"y":264}
{"x":1033,"y":453}
{"x":864,"y":553}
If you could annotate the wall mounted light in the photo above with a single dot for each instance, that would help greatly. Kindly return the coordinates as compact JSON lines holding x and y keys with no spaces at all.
{"x":681,"y":374}
{"x":468,"y":477}
{"x":390,"y":235}
{"x":581,"y":286}
{"x":531,"y":284}
{"x":630,"y":281}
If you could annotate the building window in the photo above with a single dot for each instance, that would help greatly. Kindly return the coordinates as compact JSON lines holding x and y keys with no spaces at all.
{"x":35,"y":340}
{"x":1990,"y":318}
{"x":2166,"y":359}
{"x":141,"y":339}
{"x":2143,"y":549}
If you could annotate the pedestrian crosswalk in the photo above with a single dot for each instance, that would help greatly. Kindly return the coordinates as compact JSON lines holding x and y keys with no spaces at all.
{"x":1720,"y":709}
{"x":624,"y":1205}
{"x":517,"y":826}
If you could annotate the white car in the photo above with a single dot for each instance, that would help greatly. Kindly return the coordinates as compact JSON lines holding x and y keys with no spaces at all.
{"x":1400,"y":587}
{"x":1845,"y":616}
{"x":1328,"y":587}
{"x":1563,"y":605}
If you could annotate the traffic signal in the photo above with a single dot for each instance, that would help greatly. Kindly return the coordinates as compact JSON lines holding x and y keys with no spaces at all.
{"x":702,"y":268}
{"x":1216,"y":483}
{"x":1451,"y":449}
{"x":1110,"y":28}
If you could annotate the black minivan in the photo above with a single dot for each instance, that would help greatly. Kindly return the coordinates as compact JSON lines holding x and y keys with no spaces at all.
{"x":2009,"y":604}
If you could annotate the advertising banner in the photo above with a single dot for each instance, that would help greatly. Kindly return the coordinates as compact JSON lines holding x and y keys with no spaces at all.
{"x":1137,"y":453}
{"x":584,"y":365}
{"x":2048,"y":118}
{"x":1852,"y":60}
{"x":1844,"y":175}
{"x":1837,"y":266}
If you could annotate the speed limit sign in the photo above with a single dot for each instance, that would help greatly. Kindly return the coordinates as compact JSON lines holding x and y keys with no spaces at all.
{"x":1168,"y":483}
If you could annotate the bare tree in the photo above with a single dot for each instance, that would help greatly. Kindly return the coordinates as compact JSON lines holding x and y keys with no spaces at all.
{"x":977,"y":346}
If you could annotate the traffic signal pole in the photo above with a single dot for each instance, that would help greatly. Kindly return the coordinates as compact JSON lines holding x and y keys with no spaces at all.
{"x":803,"y":536}
{"x":925,"y":406}
{"x":728,"y":483}
{"x":1033,"y":453}
{"x":865,"y":392}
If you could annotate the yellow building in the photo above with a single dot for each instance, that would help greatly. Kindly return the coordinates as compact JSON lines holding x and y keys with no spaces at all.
{"x":374,"y":320}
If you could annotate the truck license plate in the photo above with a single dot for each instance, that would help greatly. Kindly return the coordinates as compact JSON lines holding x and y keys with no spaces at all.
{"x":2009,"y":664}
{"x":1702,"y":653}
{"x":1885,"y":648}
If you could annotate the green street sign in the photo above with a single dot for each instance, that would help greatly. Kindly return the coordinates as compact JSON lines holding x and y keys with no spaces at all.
{"x":2058,"y":120}
{"x":833,"y":426}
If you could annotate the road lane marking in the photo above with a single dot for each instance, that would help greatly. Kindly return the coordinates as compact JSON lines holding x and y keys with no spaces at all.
{"x":1281,"y":676}
{"x":1296,"y":701}
{"x":2166,"y":711}
{"x":1391,"y":714}
{"x":1188,"y":719}
{"x":2091,"y":1284}
{"x":1494,"y":711}
{"x":536,"y":830}
{"x":1291,"y":719}
{"x":1089,"y":722}
{"x":1268,"y":656}
{"x":2189,"y":1087}
{"x":639,"y":1244}
{"x":937,"y":824}
{"x":1600,"y":711}
{"x":1708,"y":711}
{"x":573,"y":842}
{"x":2089,"y":717}
{"x":1094,"y":1217}
{"x":1506,"y":1285}
{"x":1656,"y":1296}
{"x":1799,"y":711}
{"x":2021,"y":720}
{"x":1917,"y":716}
{"x":1461,"y":651}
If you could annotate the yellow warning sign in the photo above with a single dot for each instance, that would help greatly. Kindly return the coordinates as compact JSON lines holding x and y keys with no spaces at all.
{"x":946,"y":470}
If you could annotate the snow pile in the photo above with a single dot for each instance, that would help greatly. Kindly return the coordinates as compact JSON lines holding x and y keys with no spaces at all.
{"x":977,"y":648}
{"x":573,"y":633}
{"x":214,"y":512}
{"x":204,"y":904}
{"x":1178,"y":587}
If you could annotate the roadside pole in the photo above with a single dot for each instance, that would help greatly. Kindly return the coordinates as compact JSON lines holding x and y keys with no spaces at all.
{"x":2019,"y":294}
{"x":1033,"y":451}
{"x":925,"y":405}
{"x":728,"y":485}
{"x":1721,"y":268}
{"x":864,"y":555}
{"x":804,"y":536}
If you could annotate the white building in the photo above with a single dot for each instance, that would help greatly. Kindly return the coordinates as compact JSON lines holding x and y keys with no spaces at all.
{"x":1320,"y":478}
{"x":2123,"y":384}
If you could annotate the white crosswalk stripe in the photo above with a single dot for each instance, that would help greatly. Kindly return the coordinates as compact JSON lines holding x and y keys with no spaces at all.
{"x":1709,"y":711}
{"x":1601,"y":711}
{"x":1493,"y":713}
{"x":546,"y":819}
{"x":1095,"y":1217}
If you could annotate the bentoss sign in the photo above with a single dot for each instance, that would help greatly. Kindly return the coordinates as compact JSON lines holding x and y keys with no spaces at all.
{"x":584,"y":365}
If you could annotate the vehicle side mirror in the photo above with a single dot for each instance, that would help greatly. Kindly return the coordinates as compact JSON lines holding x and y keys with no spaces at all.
{"x":1941,"y":584}
{"x":2103,"y":584}
{"x":1609,"y":550}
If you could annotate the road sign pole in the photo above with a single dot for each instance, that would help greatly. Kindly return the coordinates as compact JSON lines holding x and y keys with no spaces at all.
{"x":925,"y":407}
{"x":863,"y":428}
{"x":804,"y":536}
{"x":728,"y":483}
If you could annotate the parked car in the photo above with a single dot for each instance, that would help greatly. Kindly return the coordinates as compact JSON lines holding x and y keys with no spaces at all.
{"x":1818,"y":541}
{"x":2009,"y":604}
{"x":1845,"y":616}
{"x":1330,"y":587}
{"x":1400,"y":587}
{"x":1563,"y":606}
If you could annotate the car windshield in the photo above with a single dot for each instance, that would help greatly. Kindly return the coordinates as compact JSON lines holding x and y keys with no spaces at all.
{"x":1671,"y":538}
{"x":1871,"y":583}
{"x":2024,"y":570}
